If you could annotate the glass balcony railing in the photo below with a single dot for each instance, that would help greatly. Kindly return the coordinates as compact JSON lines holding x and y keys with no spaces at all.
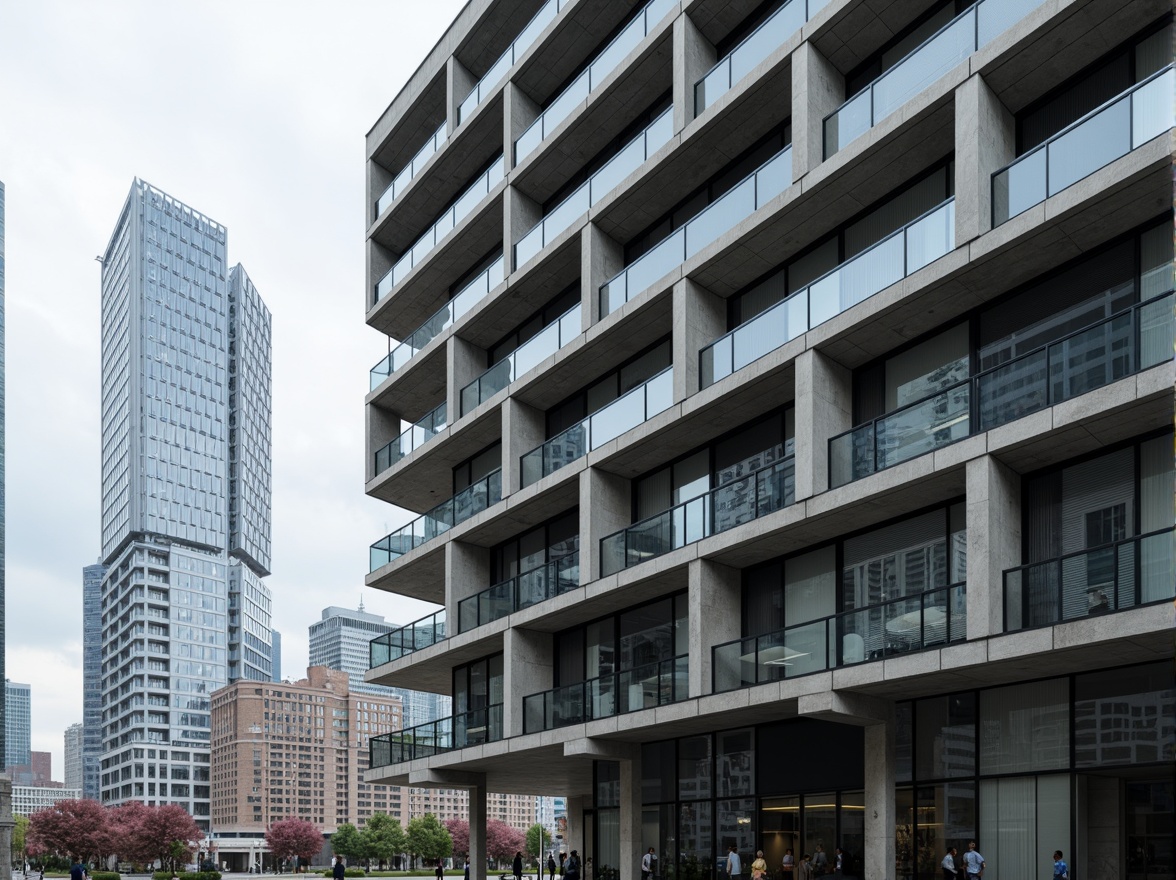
{"x":609,"y":422}
{"x":476,"y":288}
{"x":973,"y":28}
{"x":1077,"y":151}
{"x":414,"y":438}
{"x":471,"y":728}
{"x":1134,"y":340}
{"x":403,"y":641}
{"x":453,"y":215}
{"x":644,"y":687}
{"x":527,"y":589}
{"x":913,"y":623}
{"x":620,"y":166}
{"x":401,"y":181}
{"x":465,"y":504}
{"x":1087,"y":583}
{"x":757,"y":46}
{"x":588,"y":81}
{"x":722,"y":215}
{"x":486,"y":85}
{"x":919,"y":243}
{"x":768,"y":489}
{"x":538,"y":348}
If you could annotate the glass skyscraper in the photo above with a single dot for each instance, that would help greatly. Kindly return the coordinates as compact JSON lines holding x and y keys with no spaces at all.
{"x":92,"y":576}
{"x":2,"y":672}
{"x":17,"y":724}
{"x":185,"y":496}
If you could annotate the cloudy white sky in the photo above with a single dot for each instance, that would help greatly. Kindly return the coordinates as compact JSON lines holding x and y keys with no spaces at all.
{"x":254,"y":113}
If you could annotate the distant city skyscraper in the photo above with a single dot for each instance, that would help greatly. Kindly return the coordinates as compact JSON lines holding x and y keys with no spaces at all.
{"x":276,"y":654}
{"x":74,"y":748}
{"x":92,"y":576}
{"x":17,"y":724}
{"x":185,"y":496}
{"x":340,"y":640}
{"x":3,"y":725}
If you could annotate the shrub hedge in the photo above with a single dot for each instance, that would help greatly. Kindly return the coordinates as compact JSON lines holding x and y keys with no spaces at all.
{"x":183,"y":875}
{"x":105,"y":875}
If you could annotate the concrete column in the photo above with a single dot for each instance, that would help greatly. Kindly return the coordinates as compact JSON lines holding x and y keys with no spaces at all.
{"x":632,"y":845}
{"x":382,"y":426}
{"x":700,"y":318}
{"x":7,"y":823}
{"x":994,"y":541}
{"x":824,"y":408}
{"x":528,"y":670}
{"x":478,"y":832}
{"x":818,"y":89}
{"x":458,"y":83}
{"x":520,"y":214}
{"x":693,"y":57}
{"x":464,"y":362}
{"x":575,"y":838}
{"x":715,"y":599}
{"x":985,"y":142}
{"x":519,"y":112}
{"x":606,"y":505}
{"x":600,"y":259}
{"x":879,"y":798}
{"x":467,"y":568}
{"x":523,"y":428}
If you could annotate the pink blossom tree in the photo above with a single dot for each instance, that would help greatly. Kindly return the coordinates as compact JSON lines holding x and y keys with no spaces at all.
{"x":294,"y":837}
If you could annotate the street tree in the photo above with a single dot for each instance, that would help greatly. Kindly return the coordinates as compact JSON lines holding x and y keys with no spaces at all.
{"x":167,"y":834}
{"x":383,"y":838}
{"x":71,"y":828}
{"x":348,"y":842}
{"x":503,"y":841}
{"x":459,"y":833}
{"x":428,"y":838}
{"x":19,"y":830}
{"x":294,"y":838}
{"x":538,"y":841}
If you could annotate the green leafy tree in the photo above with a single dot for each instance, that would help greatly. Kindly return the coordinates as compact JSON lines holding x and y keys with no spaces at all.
{"x":349,"y":843}
{"x":18,"y":838}
{"x":383,"y":838}
{"x":538,"y":840}
{"x":428,"y":838}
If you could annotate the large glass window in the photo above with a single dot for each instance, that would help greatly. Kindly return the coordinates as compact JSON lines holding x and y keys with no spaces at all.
{"x":1125,"y":716}
{"x":946,"y":743}
{"x":553,"y":540}
{"x":1025,"y":727}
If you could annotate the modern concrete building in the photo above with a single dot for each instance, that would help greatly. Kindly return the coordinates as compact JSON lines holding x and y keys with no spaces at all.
{"x":340,"y":640}
{"x":92,"y":576}
{"x":185,"y":496}
{"x":28,"y":799}
{"x":293,"y":750}
{"x":75,"y":739}
{"x":785,"y":390}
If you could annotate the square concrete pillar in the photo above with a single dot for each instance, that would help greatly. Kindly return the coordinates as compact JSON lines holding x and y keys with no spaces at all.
{"x":477,"y":831}
{"x":601,"y":258}
{"x":824,"y":409}
{"x":523,"y":428}
{"x":520,"y":214}
{"x":378,"y":260}
{"x":700,"y":317}
{"x":715,"y":600}
{"x":878,"y":853}
{"x":606,"y":506}
{"x":382,"y":427}
{"x":529,"y":669}
{"x":986,"y":141}
{"x":632,"y":845}
{"x":575,"y":837}
{"x":994,"y":541}
{"x":458,"y":84}
{"x":519,"y":112}
{"x":693,"y":57}
{"x":818,"y":88}
{"x":464,"y":362}
{"x":467,"y":569}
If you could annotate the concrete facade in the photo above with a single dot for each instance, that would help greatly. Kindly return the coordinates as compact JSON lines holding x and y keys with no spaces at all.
{"x":757,"y":648}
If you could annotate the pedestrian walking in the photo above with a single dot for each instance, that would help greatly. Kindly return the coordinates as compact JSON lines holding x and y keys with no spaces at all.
{"x":550,"y":866}
{"x":1061,"y":869}
{"x":820,"y":861}
{"x":950,"y":871}
{"x":734,"y":865}
{"x":804,"y":870}
{"x":759,"y":868}
{"x":517,"y":864}
{"x":647,"y":862}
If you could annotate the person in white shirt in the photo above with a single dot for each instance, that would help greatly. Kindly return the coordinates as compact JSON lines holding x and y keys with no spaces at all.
{"x":647,"y":862}
{"x":973,"y":861}
{"x":734,"y":865}
{"x":950,"y":872}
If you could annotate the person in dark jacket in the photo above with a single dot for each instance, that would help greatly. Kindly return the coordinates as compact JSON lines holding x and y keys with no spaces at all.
{"x":339,"y":871}
{"x":517,"y":865}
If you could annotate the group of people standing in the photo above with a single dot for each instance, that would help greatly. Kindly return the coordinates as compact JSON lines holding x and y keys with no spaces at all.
{"x":973,"y":864}
{"x":815,"y":864}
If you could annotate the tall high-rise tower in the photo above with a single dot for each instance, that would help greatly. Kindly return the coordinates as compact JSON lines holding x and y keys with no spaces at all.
{"x":92,"y":576}
{"x":185,"y":496}
{"x":17,"y":723}
{"x":340,"y":640}
{"x":75,"y":740}
{"x":2,"y":672}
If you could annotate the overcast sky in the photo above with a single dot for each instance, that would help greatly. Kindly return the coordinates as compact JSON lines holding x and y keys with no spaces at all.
{"x":253,"y":112}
